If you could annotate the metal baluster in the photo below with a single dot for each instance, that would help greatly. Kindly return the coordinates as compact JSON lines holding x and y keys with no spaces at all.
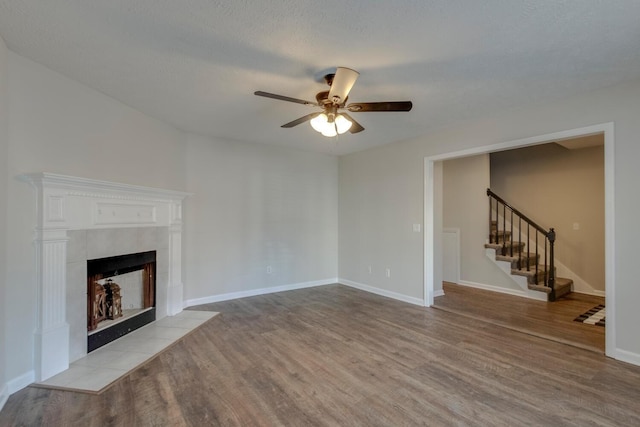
{"x":511,"y":240}
{"x":519,"y":242}
{"x":529,"y":241}
{"x":546,"y":267}
{"x":490,"y":234}
{"x":504,"y":229}
{"x":552,"y":273}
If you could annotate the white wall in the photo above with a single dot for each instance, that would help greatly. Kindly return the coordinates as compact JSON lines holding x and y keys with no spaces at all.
{"x":58,"y":125}
{"x":466,"y":207}
{"x":388,"y":182}
{"x":256,"y":206}
{"x":3,"y":216}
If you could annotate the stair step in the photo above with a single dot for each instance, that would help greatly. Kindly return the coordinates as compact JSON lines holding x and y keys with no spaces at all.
{"x":562,"y":287}
{"x":500,"y":236}
{"x":530,"y":274}
{"x":517,"y":247}
{"x":520,"y":262}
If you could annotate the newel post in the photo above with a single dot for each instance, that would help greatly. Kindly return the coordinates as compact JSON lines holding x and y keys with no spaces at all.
{"x":552,"y":274}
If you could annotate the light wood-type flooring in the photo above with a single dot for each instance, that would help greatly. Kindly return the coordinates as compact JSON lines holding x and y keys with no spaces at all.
{"x":551,"y":320}
{"x":336,"y":356}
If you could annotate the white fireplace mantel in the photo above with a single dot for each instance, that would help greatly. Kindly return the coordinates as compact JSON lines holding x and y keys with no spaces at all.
{"x":67,"y":203}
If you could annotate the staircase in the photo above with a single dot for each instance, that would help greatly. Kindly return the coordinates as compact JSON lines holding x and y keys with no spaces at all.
{"x":509,"y":233}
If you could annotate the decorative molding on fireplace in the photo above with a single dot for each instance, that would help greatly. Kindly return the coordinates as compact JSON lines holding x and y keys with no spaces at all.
{"x":71,"y":203}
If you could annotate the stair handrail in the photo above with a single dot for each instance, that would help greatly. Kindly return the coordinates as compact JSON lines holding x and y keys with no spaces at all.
{"x":517,"y":212}
{"x":550,"y":235}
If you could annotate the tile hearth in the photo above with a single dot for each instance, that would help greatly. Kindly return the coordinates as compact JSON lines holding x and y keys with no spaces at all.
{"x":102,"y":367}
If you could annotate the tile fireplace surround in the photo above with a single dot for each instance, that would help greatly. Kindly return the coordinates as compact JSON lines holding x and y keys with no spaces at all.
{"x":79,"y":219}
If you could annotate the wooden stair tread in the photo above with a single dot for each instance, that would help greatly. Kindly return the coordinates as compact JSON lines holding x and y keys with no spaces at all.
{"x":562,"y":286}
{"x":516,"y":246}
{"x":530,"y":272}
{"x":522,"y":256}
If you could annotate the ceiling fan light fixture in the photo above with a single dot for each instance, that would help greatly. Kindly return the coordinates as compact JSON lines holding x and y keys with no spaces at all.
{"x":330,"y":128}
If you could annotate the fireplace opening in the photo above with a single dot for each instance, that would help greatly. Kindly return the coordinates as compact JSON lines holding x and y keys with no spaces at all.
{"x":120,"y":296}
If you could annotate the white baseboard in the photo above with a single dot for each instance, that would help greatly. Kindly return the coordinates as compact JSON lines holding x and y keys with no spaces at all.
{"x":254,"y":292}
{"x":516,"y":292}
{"x":4,"y":395}
{"x":382,"y":292}
{"x":627,"y":356}
{"x":438,"y":293}
{"x":591,"y":292}
{"x":21,"y":382}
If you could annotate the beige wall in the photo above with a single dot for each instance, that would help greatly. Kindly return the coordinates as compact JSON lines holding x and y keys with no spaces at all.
{"x":465,"y":207}
{"x":380,"y":200}
{"x":381,"y":192}
{"x":557,"y":187}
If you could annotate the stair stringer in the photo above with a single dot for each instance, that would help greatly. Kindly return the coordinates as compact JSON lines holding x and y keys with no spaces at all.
{"x":521,"y":281}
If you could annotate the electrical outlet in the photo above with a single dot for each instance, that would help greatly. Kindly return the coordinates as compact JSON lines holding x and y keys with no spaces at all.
{"x":370,"y":270}
{"x":269,"y":269}
{"x":416,"y":228}
{"x":388,"y":272}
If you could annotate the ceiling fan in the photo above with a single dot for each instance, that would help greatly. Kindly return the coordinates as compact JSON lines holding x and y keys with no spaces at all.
{"x":333,"y":120}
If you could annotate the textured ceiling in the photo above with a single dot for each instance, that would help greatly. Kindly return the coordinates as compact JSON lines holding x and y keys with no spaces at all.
{"x":196,"y":63}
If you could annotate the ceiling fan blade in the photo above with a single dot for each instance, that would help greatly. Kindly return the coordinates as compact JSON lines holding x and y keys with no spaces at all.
{"x":342,"y":83}
{"x":355,"y":126}
{"x":380,"y":106}
{"x":300,"y":120}
{"x":284,"y":98}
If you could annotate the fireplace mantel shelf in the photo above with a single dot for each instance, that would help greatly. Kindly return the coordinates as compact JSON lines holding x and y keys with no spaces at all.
{"x":93,"y":187}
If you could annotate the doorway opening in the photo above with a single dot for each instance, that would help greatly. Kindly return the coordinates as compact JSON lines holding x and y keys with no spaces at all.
{"x":433,"y":265}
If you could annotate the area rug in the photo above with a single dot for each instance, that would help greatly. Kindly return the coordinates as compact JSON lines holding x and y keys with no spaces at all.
{"x":595,"y":316}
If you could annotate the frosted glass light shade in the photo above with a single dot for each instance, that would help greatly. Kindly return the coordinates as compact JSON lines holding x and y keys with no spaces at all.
{"x":319,"y":122}
{"x":330,"y":130}
{"x":342,"y":124}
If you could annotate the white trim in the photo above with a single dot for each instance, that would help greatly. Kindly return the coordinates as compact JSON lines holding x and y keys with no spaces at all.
{"x":609,"y":239}
{"x":438,"y":293}
{"x":525,"y":142}
{"x":21,"y":382}
{"x":255,"y":292}
{"x":382,"y":292}
{"x":4,"y":395}
{"x":429,"y":234}
{"x":594,"y":292}
{"x":609,"y":206}
{"x":534,"y":295}
{"x":624,"y":355}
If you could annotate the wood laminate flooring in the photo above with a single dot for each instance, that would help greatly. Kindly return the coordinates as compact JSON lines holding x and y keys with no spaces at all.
{"x":550,"y":320}
{"x":334,"y":355}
